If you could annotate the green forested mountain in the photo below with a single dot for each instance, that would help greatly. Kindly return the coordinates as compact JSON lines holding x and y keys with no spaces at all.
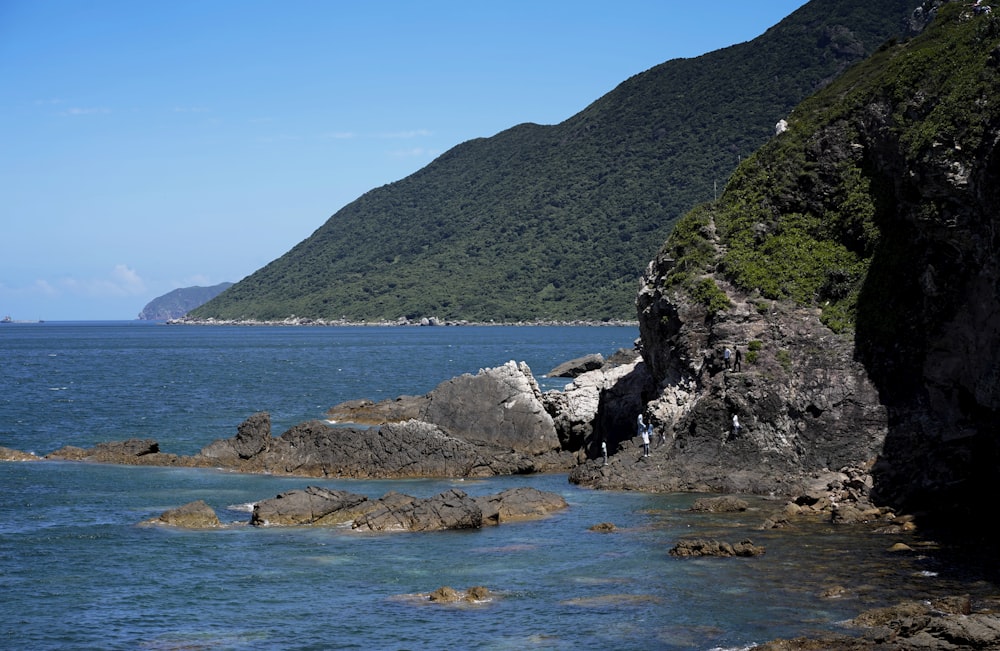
{"x":558,"y":222}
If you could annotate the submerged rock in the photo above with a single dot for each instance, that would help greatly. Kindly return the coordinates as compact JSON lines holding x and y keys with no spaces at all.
{"x":193,"y":515}
{"x":688,"y":548}
{"x":448,"y":595}
{"x":9,"y":454}
{"x":129,"y":452}
{"x":518,"y":504}
{"x":722,"y":504}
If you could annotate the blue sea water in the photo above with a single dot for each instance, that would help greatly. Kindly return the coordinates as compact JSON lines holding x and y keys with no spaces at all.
{"x":76,"y":572}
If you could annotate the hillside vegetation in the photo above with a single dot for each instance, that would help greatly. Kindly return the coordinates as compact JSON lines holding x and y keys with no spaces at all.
{"x":804,"y":217}
{"x":558,"y":222}
{"x":877,"y":210}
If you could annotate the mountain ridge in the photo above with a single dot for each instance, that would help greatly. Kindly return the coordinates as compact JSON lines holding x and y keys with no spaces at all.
{"x":558,"y":221}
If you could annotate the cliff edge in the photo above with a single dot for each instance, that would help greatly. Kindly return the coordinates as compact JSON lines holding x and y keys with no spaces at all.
{"x":852,"y":262}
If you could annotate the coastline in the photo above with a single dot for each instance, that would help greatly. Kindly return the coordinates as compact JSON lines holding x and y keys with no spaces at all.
{"x":401,"y":322}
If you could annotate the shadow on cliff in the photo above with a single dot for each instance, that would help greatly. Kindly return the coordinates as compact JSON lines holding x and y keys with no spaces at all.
{"x":928,"y":332}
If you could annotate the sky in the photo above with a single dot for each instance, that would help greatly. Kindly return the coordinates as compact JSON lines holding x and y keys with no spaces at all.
{"x":147,"y":146}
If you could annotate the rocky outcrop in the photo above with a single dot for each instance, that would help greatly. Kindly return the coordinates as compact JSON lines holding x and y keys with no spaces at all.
{"x":722,"y":504}
{"x":695,"y":548}
{"x":365,"y":412}
{"x":448,"y":595}
{"x":494,"y":423}
{"x":133,"y":451}
{"x":9,"y":454}
{"x":310,"y":506}
{"x":803,"y":403}
{"x":253,"y":437}
{"x":941,"y":625}
{"x":519,"y":504}
{"x":852,"y":264}
{"x":194,"y":515}
{"x":600,"y":406}
{"x":578,"y":366}
{"x":453,"y":509}
{"x":499,"y":407}
{"x":503,"y":407}
{"x":395,"y":450}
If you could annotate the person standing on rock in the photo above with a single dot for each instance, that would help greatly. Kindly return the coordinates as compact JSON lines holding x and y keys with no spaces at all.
{"x":737,"y":358}
{"x":645,"y":440}
{"x":736,"y":425}
{"x":726,"y":354}
{"x":604,"y":450}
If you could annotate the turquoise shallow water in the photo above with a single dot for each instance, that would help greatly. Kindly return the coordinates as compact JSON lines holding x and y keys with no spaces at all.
{"x":77,"y":573}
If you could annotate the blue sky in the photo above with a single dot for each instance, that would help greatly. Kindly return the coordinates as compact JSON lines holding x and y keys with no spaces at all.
{"x":146,"y":146}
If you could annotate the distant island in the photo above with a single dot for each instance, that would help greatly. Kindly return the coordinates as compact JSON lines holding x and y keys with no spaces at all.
{"x":179,"y":302}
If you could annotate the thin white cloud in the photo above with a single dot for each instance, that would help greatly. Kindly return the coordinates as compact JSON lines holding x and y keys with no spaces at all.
{"x":340,"y":135}
{"x":77,"y":111}
{"x":122,"y":281}
{"x":128,"y":280}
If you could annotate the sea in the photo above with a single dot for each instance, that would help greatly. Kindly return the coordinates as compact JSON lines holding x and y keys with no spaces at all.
{"x":77,"y":571}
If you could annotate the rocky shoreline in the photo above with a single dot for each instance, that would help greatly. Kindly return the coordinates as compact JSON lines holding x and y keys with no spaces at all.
{"x":499,"y":422}
{"x":394,"y":512}
{"x":400,"y":322}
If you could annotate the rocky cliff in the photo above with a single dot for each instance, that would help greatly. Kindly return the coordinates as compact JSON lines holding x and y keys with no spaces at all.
{"x":853,"y":264}
{"x":179,"y":302}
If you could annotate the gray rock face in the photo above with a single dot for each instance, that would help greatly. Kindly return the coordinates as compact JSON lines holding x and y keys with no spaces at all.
{"x":397,"y":512}
{"x":194,"y":515}
{"x":452,"y":509}
{"x":517,"y":504}
{"x":311,"y":506}
{"x":500,"y":406}
{"x":907,"y":188}
{"x":803,"y":403}
{"x":578,"y":366}
{"x":695,"y":548}
{"x":253,"y":436}
{"x":600,"y":406}
{"x":395,"y":450}
{"x":129,"y":452}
